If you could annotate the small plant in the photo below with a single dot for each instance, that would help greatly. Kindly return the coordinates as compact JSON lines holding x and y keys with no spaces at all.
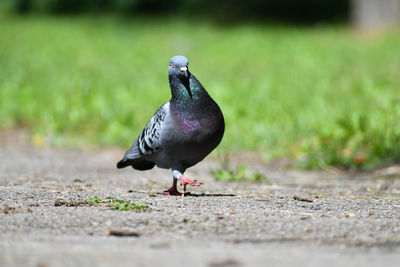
{"x":240,"y":173}
{"x":94,"y":200}
{"x":392,"y":198}
{"x":118,"y":204}
{"x":141,"y":205}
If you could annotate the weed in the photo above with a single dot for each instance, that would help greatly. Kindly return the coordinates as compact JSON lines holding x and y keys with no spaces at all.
{"x":239,"y":173}
{"x":392,"y":198}
{"x":118,"y":204}
{"x":94,"y":200}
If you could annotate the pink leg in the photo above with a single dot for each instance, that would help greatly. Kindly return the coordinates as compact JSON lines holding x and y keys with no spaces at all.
{"x":173,"y":191}
{"x":185,"y":181}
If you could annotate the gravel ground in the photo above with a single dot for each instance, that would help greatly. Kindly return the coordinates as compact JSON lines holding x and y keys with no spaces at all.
{"x":324,"y":218}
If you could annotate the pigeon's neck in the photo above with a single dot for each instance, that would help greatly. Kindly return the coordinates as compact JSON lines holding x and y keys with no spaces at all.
{"x":187,"y":93}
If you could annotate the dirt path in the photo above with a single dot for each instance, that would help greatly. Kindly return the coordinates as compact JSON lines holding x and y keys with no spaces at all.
{"x":302,"y":218}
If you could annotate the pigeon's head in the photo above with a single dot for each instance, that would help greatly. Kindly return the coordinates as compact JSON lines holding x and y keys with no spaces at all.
{"x":178,"y":65}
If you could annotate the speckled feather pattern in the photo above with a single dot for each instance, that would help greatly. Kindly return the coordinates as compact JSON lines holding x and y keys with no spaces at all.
{"x":149,"y":139}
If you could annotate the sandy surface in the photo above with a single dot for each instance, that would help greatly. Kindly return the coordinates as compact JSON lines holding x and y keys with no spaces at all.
{"x":351,"y":219}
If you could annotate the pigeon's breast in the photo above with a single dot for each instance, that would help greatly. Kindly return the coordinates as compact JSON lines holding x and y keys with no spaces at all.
{"x":201,"y":133}
{"x":189,"y":126}
{"x":188,"y":137}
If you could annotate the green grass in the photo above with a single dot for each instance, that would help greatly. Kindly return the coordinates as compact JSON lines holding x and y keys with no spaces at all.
{"x":118,"y":204}
{"x":321,"y":95}
{"x":392,"y":198}
{"x":240,"y":173}
{"x":94,"y":200}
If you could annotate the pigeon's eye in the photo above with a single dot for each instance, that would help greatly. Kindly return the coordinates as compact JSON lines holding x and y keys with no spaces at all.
{"x":173,"y":65}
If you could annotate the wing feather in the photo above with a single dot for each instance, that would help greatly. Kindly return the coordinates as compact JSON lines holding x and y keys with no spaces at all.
{"x":149,"y":139}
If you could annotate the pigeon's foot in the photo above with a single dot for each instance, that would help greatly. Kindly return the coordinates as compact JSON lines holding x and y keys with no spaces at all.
{"x":172,"y":192}
{"x":185,"y":182}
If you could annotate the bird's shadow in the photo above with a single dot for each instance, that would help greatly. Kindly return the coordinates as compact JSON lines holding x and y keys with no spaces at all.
{"x":189,"y":194}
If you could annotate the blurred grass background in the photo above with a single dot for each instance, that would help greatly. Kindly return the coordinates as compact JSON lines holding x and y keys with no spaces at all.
{"x":320,"y":94}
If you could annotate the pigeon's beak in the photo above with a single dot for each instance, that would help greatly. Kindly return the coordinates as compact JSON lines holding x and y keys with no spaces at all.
{"x":185,"y":71}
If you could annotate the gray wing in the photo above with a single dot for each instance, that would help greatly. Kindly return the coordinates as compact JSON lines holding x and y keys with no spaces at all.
{"x":149,"y":140}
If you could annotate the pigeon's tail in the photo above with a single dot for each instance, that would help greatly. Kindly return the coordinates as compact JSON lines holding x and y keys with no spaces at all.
{"x":138,"y":164}
{"x":133,"y":158}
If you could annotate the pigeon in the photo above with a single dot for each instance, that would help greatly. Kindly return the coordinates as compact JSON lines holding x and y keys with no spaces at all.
{"x":182,"y":132}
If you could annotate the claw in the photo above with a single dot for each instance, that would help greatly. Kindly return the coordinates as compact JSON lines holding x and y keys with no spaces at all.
{"x":185,"y":181}
{"x":172,"y":192}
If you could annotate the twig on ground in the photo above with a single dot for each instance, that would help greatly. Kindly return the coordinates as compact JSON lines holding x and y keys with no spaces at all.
{"x":122,"y":233}
{"x":305,"y":199}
